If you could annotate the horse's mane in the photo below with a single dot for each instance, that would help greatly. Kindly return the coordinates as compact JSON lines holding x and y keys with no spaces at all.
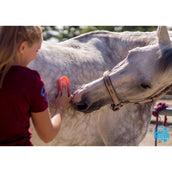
{"x":165,"y":61}
{"x":92,"y":33}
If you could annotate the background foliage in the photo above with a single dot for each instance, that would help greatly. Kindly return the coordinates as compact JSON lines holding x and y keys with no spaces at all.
{"x":62,"y":33}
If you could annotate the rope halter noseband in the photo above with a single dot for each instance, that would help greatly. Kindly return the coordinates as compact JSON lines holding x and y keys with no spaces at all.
{"x":112,"y":92}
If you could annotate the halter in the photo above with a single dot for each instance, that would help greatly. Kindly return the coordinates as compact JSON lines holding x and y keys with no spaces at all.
{"x":117,"y":104}
{"x":107,"y":81}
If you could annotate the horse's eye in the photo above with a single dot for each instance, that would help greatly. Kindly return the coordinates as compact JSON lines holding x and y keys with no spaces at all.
{"x":145,"y":85}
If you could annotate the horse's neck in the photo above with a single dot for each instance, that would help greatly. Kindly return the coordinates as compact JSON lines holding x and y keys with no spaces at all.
{"x":122,"y":43}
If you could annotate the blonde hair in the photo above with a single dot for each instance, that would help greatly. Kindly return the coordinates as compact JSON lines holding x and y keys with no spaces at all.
{"x":10,"y":39}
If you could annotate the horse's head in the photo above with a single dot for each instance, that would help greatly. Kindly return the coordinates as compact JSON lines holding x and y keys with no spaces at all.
{"x":145,"y":74}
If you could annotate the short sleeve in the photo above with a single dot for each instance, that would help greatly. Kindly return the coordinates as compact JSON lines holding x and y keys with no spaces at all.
{"x":39,"y":100}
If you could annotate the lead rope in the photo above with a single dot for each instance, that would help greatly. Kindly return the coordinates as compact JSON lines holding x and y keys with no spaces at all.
{"x":161,"y":106}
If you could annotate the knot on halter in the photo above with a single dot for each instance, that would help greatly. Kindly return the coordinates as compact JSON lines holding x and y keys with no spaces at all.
{"x":161,"y":106}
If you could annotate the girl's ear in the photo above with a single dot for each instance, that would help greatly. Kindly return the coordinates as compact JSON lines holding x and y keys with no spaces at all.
{"x":22,"y":47}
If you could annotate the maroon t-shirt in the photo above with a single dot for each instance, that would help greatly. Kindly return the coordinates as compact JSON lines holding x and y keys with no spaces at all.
{"x":23,"y":92}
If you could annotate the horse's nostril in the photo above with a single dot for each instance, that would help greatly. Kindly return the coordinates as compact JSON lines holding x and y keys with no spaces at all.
{"x":82,"y":107}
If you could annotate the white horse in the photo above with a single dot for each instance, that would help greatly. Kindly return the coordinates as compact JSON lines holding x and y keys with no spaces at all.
{"x":84,"y":59}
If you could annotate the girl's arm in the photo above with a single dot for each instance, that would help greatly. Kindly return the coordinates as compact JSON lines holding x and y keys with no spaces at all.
{"x":47,"y":127}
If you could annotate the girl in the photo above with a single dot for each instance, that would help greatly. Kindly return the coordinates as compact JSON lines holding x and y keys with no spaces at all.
{"x":22,"y":91}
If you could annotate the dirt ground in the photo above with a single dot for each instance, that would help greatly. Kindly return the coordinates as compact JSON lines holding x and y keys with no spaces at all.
{"x":149,"y":138}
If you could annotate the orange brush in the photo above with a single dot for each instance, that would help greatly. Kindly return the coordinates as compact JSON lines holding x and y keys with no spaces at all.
{"x":62,"y":82}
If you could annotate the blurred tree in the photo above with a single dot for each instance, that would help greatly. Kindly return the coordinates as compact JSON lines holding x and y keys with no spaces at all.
{"x":58,"y":34}
{"x":139,"y":28}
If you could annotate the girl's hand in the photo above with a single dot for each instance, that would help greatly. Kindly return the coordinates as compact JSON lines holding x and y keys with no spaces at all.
{"x":63,"y":102}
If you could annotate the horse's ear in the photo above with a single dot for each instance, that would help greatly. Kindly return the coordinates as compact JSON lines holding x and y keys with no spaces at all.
{"x":163,"y":36}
